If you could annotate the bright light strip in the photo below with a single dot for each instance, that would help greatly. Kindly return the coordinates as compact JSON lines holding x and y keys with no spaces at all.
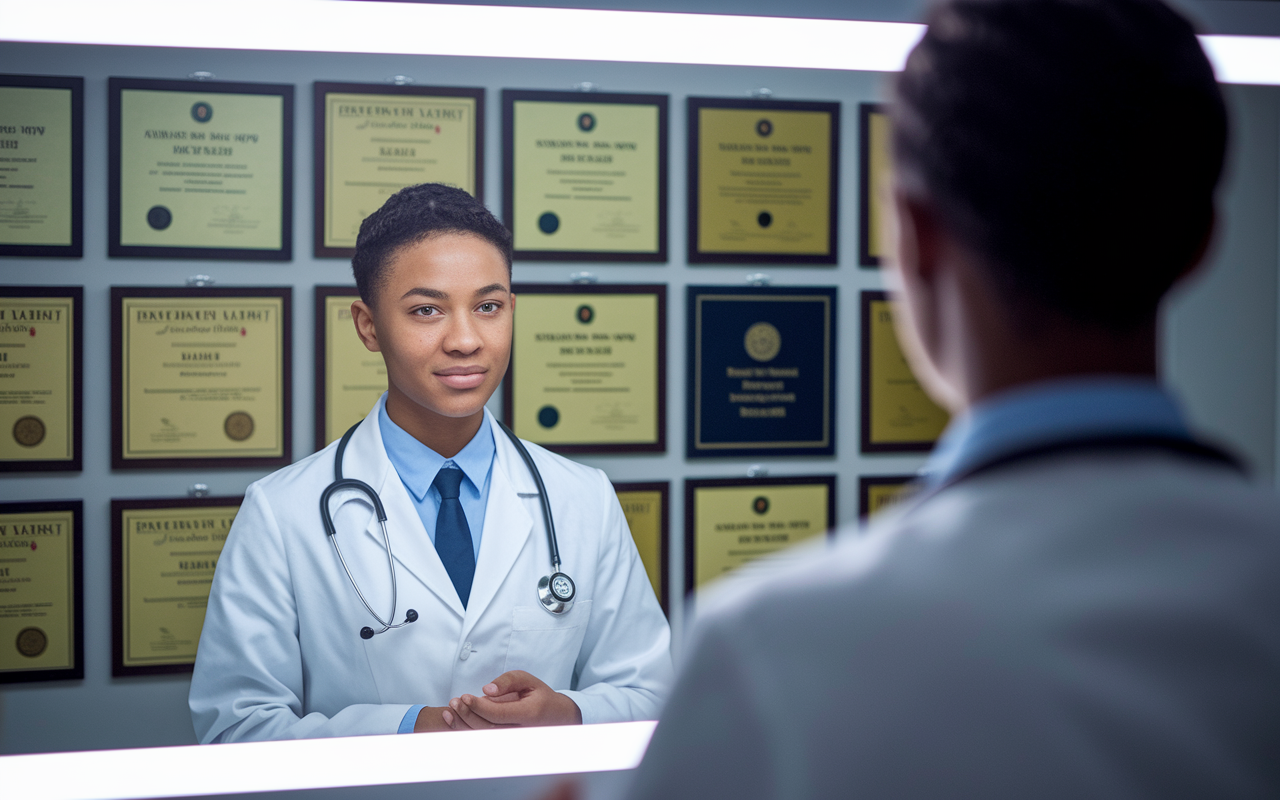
{"x":324,"y":763}
{"x":1244,"y":59}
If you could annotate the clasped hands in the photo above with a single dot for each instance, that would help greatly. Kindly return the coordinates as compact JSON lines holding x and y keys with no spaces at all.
{"x":512,"y":700}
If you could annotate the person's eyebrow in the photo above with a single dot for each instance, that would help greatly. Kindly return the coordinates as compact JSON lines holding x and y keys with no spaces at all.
{"x":491,"y":288}
{"x":434,"y":294}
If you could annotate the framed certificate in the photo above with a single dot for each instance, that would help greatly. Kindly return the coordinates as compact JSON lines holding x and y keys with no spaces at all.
{"x":585,"y":175}
{"x":200,"y":170}
{"x":588,"y":371}
{"x":732,"y":522}
{"x":372,"y":140}
{"x":878,"y":492}
{"x":874,"y":182}
{"x":763,"y":181}
{"x":647,"y":509}
{"x":163,"y":554}
{"x":349,"y":378}
{"x":201,"y":377}
{"x":41,"y":166}
{"x":897,"y":416}
{"x":41,"y":591}
{"x":762,"y":371}
{"x":41,"y":369}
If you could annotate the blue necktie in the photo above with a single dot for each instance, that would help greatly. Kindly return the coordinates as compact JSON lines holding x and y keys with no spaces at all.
{"x":453,"y":537}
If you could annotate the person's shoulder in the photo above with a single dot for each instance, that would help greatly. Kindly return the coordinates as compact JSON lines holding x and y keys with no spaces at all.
{"x":315,"y":467}
{"x":560,"y":468}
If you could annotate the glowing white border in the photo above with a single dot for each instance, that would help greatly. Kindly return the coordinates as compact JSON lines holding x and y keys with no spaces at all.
{"x":323,"y":763}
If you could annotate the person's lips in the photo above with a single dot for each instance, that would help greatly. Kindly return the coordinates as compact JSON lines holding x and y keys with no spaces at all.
{"x":462,"y":377}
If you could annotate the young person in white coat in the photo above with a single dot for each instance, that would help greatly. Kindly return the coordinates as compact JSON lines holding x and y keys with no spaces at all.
{"x":1081,"y":600}
{"x":289,"y":649}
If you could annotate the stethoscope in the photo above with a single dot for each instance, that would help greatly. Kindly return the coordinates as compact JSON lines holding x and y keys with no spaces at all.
{"x":556,"y":591}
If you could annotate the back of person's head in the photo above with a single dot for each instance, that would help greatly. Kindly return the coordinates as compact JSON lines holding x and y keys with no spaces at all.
{"x":1075,"y":145}
{"x":413,"y":214}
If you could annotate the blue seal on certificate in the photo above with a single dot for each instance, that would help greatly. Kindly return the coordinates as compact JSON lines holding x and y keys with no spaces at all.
{"x":159,"y":217}
{"x":549,"y":223}
{"x":548,"y":416}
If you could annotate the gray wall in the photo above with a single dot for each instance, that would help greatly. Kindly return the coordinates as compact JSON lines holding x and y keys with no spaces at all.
{"x":1221,"y":356}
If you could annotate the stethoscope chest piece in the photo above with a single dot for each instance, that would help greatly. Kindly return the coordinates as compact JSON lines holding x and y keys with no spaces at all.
{"x":557,"y":592}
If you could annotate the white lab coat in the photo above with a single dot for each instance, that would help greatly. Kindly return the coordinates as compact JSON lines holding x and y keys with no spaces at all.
{"x":1073,"y":626}
{"x":281,"y":656}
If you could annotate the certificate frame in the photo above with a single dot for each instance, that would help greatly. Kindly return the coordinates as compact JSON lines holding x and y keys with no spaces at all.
{"x":508,"y":383}
{"x":866,"y":298}
{"x":115,"y":249}
{"x":663,"y":488}
{"x":76,"y":671}
{"x":692,"y":485}
{"x":512,"y":96}
{"x":866,"y":195}
{"x":118,"y":589}
{"x":322,"y":175}
{"x":868,"y":483}
{"x":118,"y":407}
{"x":698,"y":256}
{"x":76,"y":462}
{"x":76,"y":87}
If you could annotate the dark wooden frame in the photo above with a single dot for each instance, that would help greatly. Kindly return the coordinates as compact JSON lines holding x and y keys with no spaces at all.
{"x":692,"y":377}
{"x":76,"y":248}
{"x":868,"y":482}
{"x":663,"y":488}
{"x":118,"y":669}
{"x":692,"y":485}
{"x":76,"y":463}
{"x":658,"y":289}
{"x":696,"y":256}
{"x":511,"y":96}
{"x":321,"y":89}
{"x":118,"y":293}
{"x":865,"y":110}
{"x":866,"y":298}
{"x":323,"y":293}
{"x":76,"y":672}
{"x":114,"y":210}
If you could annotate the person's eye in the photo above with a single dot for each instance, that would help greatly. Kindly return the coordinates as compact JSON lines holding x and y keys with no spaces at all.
{"x":425,"y":311}
{"x":488,"y":308}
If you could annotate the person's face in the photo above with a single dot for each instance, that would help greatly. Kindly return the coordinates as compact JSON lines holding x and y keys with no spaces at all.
{"x":443,"y":323}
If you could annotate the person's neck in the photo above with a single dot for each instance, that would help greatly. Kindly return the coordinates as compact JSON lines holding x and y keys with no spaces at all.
{"x":444,"y":435}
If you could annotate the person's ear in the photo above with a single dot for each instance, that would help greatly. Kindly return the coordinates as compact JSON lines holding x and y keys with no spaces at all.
{"x":1195,"y":264}
{"x":362,"y":316}
{"x":916,"y":245}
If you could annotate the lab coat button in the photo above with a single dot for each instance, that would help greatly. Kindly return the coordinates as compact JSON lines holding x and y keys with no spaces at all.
{"x":466,"y":651}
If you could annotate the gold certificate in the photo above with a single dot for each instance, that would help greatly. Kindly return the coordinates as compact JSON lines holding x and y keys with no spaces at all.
{"x":645,"y":507}
{"x":40,"y":364}
{"x":40,"y":591}
{"x":200,"y":169}
{"x":875,"y":195}
{"x":763,"y":181}
{"x":731,"y":523}
{"x":41,"y":143}
{"x":586,"y":175}
{"x":588,"y":367}
{"x":351,"y":378}
{"x":372,"y":141}
{"x":877,"y":493}
{"x":201,"y":377}
{"x":897,"y":415}
{"x":164,"y":554}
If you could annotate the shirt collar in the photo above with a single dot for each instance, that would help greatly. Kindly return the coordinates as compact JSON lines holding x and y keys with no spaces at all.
{"x":418,"y":464}
{"x":1053,"y":411}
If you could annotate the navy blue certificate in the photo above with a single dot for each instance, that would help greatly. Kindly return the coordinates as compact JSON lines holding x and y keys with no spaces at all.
{"x":762,"y":371}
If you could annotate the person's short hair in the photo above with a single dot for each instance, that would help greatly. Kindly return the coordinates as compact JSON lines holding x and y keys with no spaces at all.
{"x":1074,"y":144}
{"x":413,"y":214}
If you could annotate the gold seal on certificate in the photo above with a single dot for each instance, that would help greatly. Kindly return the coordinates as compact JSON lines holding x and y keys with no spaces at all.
{"x":877,"y":493}
{"x":585,"y":175}
{"x":200,"y":377}
{"x":41,"y":333}
{"x":588,"y":368}
{"x":897,"y":415}
{"x":373,"y":140}
{"x":645,"y":506}
{"x":163,"y":554}
{"x":41,"y":591}
{"x":763,"y":181}
{"x":200,"y":170}
{"x":349,"y":378}
{"x":874,"y":187}
{"x":41,"y":166}
{"x":730,"y":523}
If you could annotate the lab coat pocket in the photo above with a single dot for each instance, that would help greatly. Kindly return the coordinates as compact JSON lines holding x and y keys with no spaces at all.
{"x":546,"y":645}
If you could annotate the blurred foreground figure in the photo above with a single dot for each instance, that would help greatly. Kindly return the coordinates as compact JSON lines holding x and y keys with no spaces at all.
{"x":1081,"y":601}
